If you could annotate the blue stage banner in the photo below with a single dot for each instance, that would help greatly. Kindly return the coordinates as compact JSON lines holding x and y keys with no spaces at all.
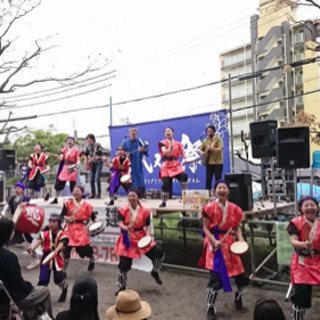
{"x":190,"y":131}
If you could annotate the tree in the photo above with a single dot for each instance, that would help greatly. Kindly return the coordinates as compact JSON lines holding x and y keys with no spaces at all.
{"x":13,"y":65}
{"x":308,"y":120}
{"x":51,"y":141}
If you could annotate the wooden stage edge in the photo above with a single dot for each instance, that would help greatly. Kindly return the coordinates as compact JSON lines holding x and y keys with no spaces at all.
{"x":260,"y":209}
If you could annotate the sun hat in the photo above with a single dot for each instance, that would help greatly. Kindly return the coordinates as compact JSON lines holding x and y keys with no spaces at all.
{"x":129,"y":307}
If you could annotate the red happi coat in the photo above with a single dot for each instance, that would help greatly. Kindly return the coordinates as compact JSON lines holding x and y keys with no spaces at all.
{"x":232,"y":220}
{"x":69,"y":155}
{"x":38,"y":163}
{"x":306,"y":270}
{"x":123,"y":168}
{"x":171,"y":168}
{"x":140,"y":222}
{"x":48,"y":246}
{"x":77,"y":231}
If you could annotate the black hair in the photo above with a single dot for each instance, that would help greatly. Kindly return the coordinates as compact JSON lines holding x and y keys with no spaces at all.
{"x":221,"y":181}
{"x":6,"y":228}
{"x":168,"y":128}
{"x":211,"y":127}
{"x":91,"y":136}
{"x":84,"y":300}
{"x":266,"y":309}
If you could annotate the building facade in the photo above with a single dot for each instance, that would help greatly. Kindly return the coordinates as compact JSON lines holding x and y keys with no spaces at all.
{"x":275,"y":79}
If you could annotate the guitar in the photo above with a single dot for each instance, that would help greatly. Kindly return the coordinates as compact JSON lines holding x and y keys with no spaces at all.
{"x":206,"y":156}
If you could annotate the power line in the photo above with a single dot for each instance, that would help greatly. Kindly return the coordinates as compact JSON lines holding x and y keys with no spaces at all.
{"x":58,"y":99}
{"x":61,"y":87}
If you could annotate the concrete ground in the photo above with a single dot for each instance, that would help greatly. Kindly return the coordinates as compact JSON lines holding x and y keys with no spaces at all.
{"x":182,"y":296}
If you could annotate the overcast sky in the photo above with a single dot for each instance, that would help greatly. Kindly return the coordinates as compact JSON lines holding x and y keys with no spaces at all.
{"x":155,"y":46}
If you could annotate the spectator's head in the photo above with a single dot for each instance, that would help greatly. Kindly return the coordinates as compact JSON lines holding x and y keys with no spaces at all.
{"x":6,"y":231}
{"x":266,"y":309}
{"x":84,"y":300}
{"x":129,"y":307}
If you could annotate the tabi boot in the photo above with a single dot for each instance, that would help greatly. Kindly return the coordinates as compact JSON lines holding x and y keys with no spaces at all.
{"x":91,"y":264}
{"x":63,"y":295}
{"x":155,"y":276}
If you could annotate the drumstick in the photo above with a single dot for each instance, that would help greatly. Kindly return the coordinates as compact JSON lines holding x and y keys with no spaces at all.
{"x":225,"y":236}
{"x":308,"y":238}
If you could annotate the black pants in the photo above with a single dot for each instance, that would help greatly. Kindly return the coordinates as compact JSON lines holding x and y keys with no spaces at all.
{"x":125,"y":263}
{"x":84,"y":251}
{"x":216,"y":284}
{"x":37,"y":182}
{"x":302,"y":295}
{"x":167,"y":182}
{"x":213,"y":169}
{"x":59,"y":185}
{"x":126,"y":187}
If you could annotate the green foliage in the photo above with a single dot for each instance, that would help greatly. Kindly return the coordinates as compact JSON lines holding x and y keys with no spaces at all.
{"x":51,"y":141}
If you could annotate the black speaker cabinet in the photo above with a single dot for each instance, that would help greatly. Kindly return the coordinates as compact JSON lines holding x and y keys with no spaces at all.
{"x":240,"y":190}
{"x":293,"y":147}
{"x":7,"y":159}
{"x":2,"y":186}
{"x":263,"y":138}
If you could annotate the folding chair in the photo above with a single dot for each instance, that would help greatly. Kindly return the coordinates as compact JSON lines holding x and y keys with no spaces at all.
{"x":11,"y":310}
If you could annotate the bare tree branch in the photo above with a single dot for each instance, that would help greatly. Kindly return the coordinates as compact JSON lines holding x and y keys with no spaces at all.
{"x":313,"y":3}
{"x":22,"y":64}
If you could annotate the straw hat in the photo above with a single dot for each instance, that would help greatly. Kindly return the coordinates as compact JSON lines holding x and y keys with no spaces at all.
{"x":129,"y":307}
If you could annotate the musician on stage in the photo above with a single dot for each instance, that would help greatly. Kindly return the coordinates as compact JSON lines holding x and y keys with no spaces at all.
{"x":94,"y":163}
{"x":211,"y":150}
{"x":120,"y":167}
{"x":53,"y":239}
{"x":218,"y":217}
{"x":77,"y":213}
{"x":134,"y":223}
{"x":304,"y":234}
{"x":170,"y":151}
{"x":69,"y":158}
{"x":39,"y":167}
{"x":137,"y":149}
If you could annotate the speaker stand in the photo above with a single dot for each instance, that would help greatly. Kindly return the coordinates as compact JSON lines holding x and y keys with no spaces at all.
{"x":295,"y":182}
{"x":273,"y":187}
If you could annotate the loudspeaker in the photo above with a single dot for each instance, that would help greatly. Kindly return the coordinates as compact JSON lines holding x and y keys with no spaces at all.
{"x":2,"y":186}
{"x":293,"y":147}
{"x":240,"y":190}
{"x":263,"y":138}
{"x":7,"y":159}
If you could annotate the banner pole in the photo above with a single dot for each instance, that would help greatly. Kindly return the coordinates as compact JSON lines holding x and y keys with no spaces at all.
{"x":231,"y":125}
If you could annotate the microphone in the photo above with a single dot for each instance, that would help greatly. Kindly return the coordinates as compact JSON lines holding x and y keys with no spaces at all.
{"x":242,"y":136}
{"x":202,"y":134}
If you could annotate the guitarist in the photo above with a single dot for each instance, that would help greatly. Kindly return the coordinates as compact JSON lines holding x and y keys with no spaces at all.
{"x":93,"y":162}
{"x":211,"y":150}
